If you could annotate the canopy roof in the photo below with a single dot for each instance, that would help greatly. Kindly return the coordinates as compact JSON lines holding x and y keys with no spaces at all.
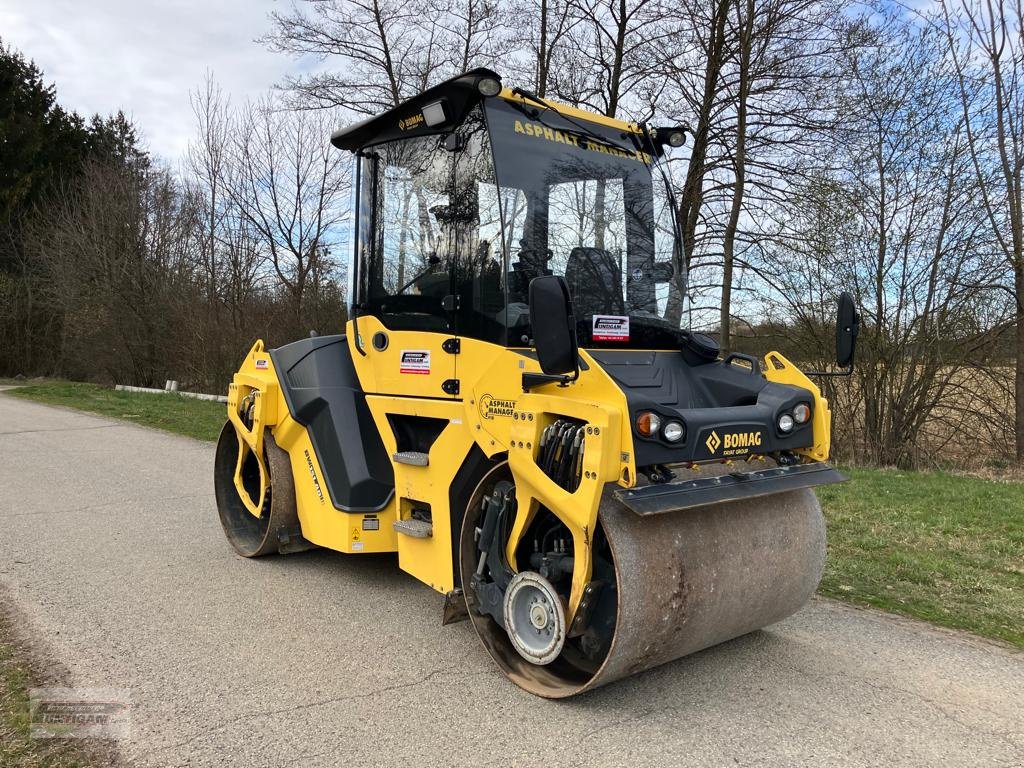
{"x":456,"y":97}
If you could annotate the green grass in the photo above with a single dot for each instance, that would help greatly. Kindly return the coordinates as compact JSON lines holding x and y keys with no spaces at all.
{"x":944,"y":548}
{"x":200,"y":419}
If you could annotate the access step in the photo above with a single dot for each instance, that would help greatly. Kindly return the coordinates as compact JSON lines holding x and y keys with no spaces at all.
{"x":417,"y":529}
{"x":412,"y":458}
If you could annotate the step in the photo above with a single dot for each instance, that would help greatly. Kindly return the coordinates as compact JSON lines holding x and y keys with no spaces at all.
{"x":417,"y":529}
{"x":412,"y":458}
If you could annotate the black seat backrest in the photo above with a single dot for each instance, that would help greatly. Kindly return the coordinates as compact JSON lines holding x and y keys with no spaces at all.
{"x":595,"y":282}
{"x":532,"y":263}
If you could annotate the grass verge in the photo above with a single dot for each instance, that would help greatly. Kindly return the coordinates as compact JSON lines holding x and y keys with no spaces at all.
{"x":200,"y":419}
{"x":944,"y":548}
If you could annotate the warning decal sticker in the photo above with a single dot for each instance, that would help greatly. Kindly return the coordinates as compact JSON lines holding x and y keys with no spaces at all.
{"x":611,"y":328}
{"x":415,"y":361}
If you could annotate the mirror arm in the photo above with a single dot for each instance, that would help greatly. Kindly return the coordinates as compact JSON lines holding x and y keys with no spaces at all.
{"x":830,"y":374}
{"x":531,"y":380}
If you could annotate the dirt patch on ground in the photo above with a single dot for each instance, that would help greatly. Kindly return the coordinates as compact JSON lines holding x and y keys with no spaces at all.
{"x":26,"y":661}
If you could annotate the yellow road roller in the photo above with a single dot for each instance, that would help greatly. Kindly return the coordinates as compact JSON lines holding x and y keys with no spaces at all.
{"x":516,"y":409}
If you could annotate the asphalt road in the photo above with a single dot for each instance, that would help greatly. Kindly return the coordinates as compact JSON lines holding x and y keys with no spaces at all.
{"x":113,"y":557}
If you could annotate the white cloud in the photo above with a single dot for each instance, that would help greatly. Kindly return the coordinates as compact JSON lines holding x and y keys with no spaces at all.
{"x":145,"y":57}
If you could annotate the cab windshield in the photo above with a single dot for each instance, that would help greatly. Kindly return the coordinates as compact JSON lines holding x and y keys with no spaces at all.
{"x":460,"y":223}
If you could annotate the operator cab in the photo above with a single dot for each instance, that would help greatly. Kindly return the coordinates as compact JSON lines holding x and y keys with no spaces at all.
{"x":470,"y":191}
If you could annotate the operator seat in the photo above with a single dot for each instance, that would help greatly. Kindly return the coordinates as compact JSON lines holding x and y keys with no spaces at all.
{"x":595,"y":282}
{"x":532,"y":263}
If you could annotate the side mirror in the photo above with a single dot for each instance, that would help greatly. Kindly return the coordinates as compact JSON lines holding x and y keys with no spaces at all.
{"x":847,"y":328}
{"x":553,"y":325}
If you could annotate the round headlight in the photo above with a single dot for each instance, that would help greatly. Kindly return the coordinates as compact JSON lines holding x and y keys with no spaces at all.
{"x":676,"y":139}
{"x":802,"y":413}
{"x":673,"y":432}
{"x":647,"y":423}
{"x":785,"y":423}
{"x":488,"y":86}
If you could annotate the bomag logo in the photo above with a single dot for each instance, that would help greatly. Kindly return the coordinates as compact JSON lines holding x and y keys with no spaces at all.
{"x":491,"y":406}
{"x":410,"y":122}
{"x":734,"y":442}
{"x":713,"y":442}
{"x":742,"y":440}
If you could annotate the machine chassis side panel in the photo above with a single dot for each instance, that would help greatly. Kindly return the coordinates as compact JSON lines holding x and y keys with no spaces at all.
{"x":320,"y":387}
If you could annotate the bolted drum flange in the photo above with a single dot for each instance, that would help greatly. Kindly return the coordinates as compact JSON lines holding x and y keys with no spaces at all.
{"x":534,"y":618}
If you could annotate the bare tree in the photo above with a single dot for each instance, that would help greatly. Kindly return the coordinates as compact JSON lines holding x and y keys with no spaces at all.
{"x":898,"y":221}
{"x":700,"y":92}
{"x":547,"y":40}
{"x":750,"y":83}
{"x":742,"y":23}
{"x":383,"y":51}
{"x":291,"y":189}
{"x":119,"y":249}
{"x":207,"y":161}
{"x":986,"y":45}
{"x":612,"y":56}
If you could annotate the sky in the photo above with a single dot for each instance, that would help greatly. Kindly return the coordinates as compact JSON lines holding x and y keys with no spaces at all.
{"x":145,"y":57}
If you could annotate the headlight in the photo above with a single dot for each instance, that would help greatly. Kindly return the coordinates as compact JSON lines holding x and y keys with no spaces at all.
{"x":802,"y":413}
{"x":786,"y":423}
{"x":433,"y":114}
{"x":488,"y":86}
{"x":673,"y":432}
{"x":648,"y":423}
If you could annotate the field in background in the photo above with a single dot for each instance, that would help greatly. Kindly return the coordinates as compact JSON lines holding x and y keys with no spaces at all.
{"x":969,"y":428}
{"x":944,"y":548}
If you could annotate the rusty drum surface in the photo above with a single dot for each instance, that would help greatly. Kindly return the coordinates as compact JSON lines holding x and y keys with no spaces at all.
{"x":687,"y":580}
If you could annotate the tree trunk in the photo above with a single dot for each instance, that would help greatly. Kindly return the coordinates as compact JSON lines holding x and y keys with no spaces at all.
{"x":542,"y":51}
{"x":600,"y":223}
{"x":692,"y":198}
{"x":740,"y":169}
{"x":1019,"y":383}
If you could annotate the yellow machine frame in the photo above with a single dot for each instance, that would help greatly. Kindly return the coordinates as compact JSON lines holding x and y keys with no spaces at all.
{"x":492,"y":413}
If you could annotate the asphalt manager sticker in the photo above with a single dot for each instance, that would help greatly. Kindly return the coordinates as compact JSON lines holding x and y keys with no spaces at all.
{"x":415,"y":361}
{"x":611,"y":328}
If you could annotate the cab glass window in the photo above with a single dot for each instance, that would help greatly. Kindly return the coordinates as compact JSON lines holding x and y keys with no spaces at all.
{"x":434,"y":261}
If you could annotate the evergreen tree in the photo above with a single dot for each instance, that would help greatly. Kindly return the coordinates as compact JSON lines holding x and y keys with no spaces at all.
{"x":41,"y":144}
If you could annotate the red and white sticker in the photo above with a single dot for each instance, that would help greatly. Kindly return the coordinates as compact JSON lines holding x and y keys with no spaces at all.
{"x":415,"y":361}
{"x":611,"y":328}
{"x":262,"y":363}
